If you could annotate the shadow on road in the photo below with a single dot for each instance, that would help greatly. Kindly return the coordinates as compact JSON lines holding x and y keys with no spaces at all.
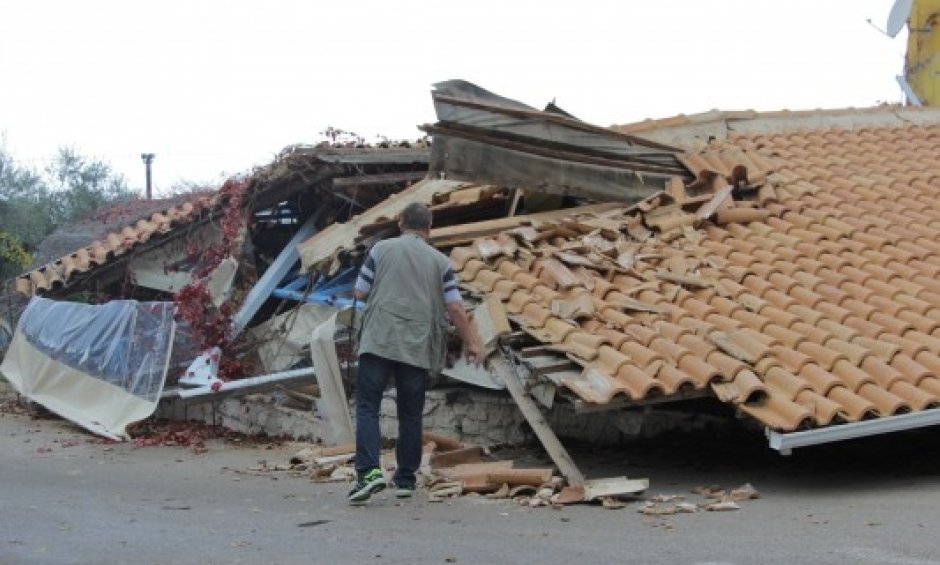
{"x":734,"y":453}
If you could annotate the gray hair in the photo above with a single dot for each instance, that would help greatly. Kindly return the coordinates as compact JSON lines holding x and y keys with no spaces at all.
{"x":416,"y":216}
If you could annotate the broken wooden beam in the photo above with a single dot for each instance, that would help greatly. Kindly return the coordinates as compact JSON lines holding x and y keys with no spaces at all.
{"x":536,"y":420}
{"x":378,"y":179}
{"x":465,"y":233}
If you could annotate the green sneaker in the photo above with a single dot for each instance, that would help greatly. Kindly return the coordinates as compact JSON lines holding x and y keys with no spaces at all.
{"x":368,"y":484}
{"x":404,"y":491}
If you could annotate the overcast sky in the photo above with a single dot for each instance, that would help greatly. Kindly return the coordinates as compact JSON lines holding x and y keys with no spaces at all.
{"x":215,"y":88}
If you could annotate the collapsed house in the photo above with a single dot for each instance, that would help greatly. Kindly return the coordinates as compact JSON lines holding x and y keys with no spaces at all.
{"x":783,"y":264}
{"x":203,"y":254}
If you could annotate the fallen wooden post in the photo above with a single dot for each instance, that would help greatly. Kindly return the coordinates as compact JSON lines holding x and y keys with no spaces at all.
{"x":578,"y":489}
{"x":534,"y":417}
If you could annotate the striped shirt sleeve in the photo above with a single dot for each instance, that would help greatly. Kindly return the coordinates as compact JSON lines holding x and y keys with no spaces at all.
{"x":366,"y":273}
{"x":451,"y":293}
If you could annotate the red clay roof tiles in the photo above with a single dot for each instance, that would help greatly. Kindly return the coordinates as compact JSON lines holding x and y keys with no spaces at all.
{"x":112,"y":245}
{"x":822,"y":309}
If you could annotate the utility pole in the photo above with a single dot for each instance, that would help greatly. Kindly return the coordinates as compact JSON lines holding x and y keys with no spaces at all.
{"x":148,"y":158}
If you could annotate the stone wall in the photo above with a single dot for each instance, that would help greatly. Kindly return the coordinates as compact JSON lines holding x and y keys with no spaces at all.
{"x":474,"y":416}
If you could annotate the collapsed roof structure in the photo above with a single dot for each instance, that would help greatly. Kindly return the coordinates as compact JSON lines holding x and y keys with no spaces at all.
{"x":335,"y":182}
{"x":782,"y":263}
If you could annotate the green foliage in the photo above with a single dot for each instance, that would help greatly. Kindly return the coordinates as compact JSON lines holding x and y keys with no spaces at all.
{"x":33,"y":204}
{"x":13,"y":256}
{"x":80,"y":186}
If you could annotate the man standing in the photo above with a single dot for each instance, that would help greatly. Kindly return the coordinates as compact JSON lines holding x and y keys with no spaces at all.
{"x":409,"y":285}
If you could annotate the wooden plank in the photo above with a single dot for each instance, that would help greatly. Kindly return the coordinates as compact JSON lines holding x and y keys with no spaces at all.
{"x":454,"y":235}
{"x":534,"y":417}
{"x":378,"y":179}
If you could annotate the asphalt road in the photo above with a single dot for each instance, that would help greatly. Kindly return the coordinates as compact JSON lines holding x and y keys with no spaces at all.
{"x":68,"y":498}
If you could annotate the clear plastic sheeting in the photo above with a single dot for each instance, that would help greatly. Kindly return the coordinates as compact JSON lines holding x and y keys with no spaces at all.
{"x":102,"y":366}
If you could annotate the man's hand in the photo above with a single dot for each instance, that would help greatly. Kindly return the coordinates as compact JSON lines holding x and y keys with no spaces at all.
{"x":475,"y":353}
{"x":474,"y":348}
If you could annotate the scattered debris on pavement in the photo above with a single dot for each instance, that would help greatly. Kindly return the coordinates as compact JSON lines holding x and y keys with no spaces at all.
{"x":451,"y":469}
{"x":716,"y":499}
{"x":193,"y":434}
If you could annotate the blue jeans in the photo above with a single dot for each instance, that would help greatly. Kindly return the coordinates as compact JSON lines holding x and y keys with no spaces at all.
{"x":410,"y":382}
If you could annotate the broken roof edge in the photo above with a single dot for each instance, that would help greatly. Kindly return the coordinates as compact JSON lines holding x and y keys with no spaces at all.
{"x":695,"y":131}
{"x":488,"y":163}
{"x":148,"y":231}
{"x":468,"y":95}
{"x":288,"y":174}
{"x":325,"y":246}
{"x":466,"y":90}
{"x":355,"y":155}
{"x":485,"y":138}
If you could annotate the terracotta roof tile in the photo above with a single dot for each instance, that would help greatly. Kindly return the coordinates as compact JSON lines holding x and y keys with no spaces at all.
{"x":824,"y":308}
{"x":56,"y":274}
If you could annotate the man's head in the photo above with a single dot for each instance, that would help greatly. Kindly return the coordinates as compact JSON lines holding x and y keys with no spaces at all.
{"x":416,"y":217}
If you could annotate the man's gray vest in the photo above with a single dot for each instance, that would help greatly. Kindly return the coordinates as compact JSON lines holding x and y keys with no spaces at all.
{"x":404,"y":318}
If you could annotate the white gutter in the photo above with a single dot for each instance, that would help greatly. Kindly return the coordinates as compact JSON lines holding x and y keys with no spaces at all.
{"x":785,"y":443}
{"x":306,"y":373}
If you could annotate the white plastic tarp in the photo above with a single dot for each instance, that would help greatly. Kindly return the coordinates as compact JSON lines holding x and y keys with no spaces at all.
{"x":100,"y":366}
{"x":332,"y":402}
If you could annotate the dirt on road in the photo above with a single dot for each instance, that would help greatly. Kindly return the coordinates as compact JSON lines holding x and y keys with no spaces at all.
{"x":208,"y":496}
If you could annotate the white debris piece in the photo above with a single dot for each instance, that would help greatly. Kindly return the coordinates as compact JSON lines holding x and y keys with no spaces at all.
{"x":203,"y":372}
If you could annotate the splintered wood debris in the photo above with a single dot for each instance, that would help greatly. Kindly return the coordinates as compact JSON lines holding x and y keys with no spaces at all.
{"x":451,"y":469}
